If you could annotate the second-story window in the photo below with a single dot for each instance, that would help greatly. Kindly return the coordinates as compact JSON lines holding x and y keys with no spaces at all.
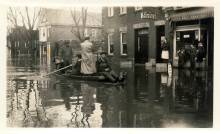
{"x":123,"y":10}
{"x":110,"y":11}
{"x":138,"y":8}
{"x":124,"y":49}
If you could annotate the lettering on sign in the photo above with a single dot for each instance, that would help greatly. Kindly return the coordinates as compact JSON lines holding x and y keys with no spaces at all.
{"x":147,"y":15}
{"x":159,"y":23}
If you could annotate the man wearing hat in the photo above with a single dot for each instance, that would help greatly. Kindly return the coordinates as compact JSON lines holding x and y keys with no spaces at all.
{"x":67,"y":53}
{"x":88,"y":63}
{"x":105,"y":69}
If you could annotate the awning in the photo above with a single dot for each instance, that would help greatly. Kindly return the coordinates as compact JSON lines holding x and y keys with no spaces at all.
{"x":196,"y":14}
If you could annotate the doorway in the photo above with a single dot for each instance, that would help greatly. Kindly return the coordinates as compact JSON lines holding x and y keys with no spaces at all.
{"x":160,"y":35}
{"x":141,"y":45}
{"x":186,"y":36}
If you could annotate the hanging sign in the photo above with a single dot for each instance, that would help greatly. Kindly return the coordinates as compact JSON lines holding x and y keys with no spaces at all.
{"x":147,"y":15}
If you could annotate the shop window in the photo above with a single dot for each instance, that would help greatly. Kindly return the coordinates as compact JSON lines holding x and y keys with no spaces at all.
{"x":110,"y":11}
{"x":138,"y":8}
{"x":186,"y":38}
{"x":123,"y":10}
{"x":123,"y":37}
{"x":110,"y":44}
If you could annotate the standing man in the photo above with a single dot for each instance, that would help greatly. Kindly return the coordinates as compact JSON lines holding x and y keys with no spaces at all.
{"x":192,"y":56}
{"x":88,"y":63}
{"x":67,"y":54}
{"x":165,"y":51}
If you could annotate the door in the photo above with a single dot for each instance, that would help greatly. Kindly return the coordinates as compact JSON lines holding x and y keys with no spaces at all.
{"x":141,"y":46}
{"x":160,"y":35}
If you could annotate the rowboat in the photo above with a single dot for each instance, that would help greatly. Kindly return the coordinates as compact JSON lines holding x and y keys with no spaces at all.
{"x":94,"y":77}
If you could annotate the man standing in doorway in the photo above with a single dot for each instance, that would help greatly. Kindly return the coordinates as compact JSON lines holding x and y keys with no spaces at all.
{"x":88,"y":63}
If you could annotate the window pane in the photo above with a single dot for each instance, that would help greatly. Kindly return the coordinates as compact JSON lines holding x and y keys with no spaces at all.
{"x":124,"y":38}
{"x":110,"y":11}
{"x":124,"y":49}
{"x":111,"y":39}
{"x":111,"y":48}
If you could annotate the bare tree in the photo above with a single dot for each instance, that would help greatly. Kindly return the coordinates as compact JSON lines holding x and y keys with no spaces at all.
{"x":79,"y":22}
{"x":18,"y":17}
{"x":24,"y":21}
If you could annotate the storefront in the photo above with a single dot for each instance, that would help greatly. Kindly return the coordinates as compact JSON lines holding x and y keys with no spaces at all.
{"x":190,"y":26}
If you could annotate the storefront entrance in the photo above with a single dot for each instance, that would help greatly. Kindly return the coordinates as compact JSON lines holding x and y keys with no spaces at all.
{"x":141,"y":45}
{"x":186,"y":36}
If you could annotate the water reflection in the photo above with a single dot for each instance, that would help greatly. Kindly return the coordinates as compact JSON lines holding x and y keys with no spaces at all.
{"x":148,"y":99}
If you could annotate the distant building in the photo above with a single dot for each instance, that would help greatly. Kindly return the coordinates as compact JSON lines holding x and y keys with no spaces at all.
{"x":134,"y":34}
{"x":57,"y":24}
{"x":18,"y":43}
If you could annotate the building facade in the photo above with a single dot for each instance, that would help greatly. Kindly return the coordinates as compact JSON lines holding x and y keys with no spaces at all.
{"x":57,"y":25}
{"x":134,"y":34}
{"x":20,"y":44}
{"x":189,"y":25}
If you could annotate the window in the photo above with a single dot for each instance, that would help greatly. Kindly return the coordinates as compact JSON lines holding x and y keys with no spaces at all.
{"x":110,"y":44}
{"x":110,"y":11}
{"x":123,"y":10}
{"x":86,"y":32}
{"x":93,"y":32}
{"x":48,"y":32}
{"x":138,"y":8}
{"x":124,"y":49}
{"x":44,"y":33}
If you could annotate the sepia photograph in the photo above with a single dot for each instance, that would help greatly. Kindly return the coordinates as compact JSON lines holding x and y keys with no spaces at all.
{"x":110,"y":67}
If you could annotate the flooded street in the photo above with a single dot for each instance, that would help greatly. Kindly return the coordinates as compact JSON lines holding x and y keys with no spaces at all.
{"x":148,"y":99}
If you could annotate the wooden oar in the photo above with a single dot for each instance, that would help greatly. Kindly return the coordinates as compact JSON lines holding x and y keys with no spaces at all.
{"x":57,"y":70}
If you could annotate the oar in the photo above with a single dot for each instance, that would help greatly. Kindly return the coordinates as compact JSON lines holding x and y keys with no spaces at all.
{"x":57,"y":70}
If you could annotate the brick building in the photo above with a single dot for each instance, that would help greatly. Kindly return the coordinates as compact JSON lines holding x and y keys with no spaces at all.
{"x":134,"y":34}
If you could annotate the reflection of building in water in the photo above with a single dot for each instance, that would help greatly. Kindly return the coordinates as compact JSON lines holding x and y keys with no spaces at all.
{"x":113,"y":99}
{"x":191,"y":95}
{"x":26,"y":109}
{"x":72,"y":105}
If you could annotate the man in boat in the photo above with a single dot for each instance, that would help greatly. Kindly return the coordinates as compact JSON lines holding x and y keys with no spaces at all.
{"x":104,"y":69}
{"x":67,"y":54}
{"x":88,"y":63}
{"x":77,"y":66}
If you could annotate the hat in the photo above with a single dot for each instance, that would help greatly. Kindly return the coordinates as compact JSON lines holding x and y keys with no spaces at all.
{"x":87,"y":37}
{"x":103,"y":53}
{"x":66,"y":42}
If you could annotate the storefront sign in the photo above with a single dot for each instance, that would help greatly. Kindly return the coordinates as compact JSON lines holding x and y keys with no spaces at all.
{"x":147,"y":15}
{"x":186,"y":36}
{"x":141,"y":25}
{"x":199,"y":13}
{"x":159,"y":23}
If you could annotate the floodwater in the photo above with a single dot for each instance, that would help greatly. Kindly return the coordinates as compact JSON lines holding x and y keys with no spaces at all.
{"x":148,"y":99}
